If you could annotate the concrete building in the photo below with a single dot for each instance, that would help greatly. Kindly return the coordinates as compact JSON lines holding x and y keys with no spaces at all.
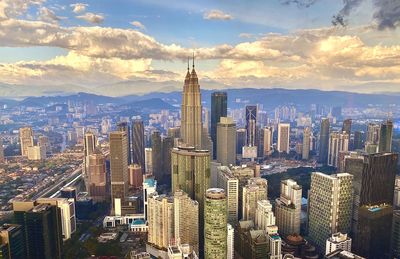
{"x":305,"y":154}
{"x":149,"y":187}
{"x":255,"y":190}
{"x":135,"y":175}
{"x":96,"y":176}
{"x":264,"y":215}
{"x":230,"y":253}
{"x":230,"y":184}
{"x":268,"y":140}
{"x":329,"y":206}
{"x":338,"y":142}
{"x":288,"y":208}
{"x":215,"y":224}
{"x":25,"y":139}
{"x":186,"y":216}
{"x":156,"y":155}
{"x":36,"y":153}
{"x":148,"y":160}
{"x":226,"y":141}
{"x":338,"y":241}
{"x":283,"y":145}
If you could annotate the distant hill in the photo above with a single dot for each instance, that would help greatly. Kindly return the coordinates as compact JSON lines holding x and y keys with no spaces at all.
{"x":151,"y":104}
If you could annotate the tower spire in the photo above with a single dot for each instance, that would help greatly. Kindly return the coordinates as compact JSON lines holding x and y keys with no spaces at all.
{"x":188,"y":63}
{"x":193,"y":59}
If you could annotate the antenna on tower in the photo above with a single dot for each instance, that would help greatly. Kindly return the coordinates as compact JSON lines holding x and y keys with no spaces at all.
{"x":188,"y":63}
{"x":193,"y":59}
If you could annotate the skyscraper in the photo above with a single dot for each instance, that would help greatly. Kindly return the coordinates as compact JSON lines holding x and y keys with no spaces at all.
{"x":337,"y":142}
{"x":191,"y":123}
{"x":226,"y":141}
{"x":25,"y":139}
{"x":96,"y":175}
{"x":230,"y":184}
{"x":156,"y":155}
{"x":268,"y":139}
{"x":89,"y":145}
{"x":230,"y":253}
{"x":385,"y":139}
{"x":12,"y":239}
{"x":329,"y":206}
{"x":264,"y":215}
{"x":119,"y":170}
{"x":138,"y":143}
{"x":324,"y":141}
{"x":215,"y":224}
{"x":347,"y":126}
{"x":358,"y":140}
{"x":240,"y":140}
{"x":219,"y":106}
{"x":124,"y":127}
{"x":167,"y":144}
{"x":42,"y":227}
{"x":283,"y":138}
{"x":288,"y":208}
{"x":251,"y":125}
{"x":255,"y":190}
{"x":305,"y":154}
{"x":186,"y":223}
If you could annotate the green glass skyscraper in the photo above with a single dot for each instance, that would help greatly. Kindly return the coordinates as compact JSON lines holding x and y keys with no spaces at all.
{"x":219,"y":108}
{"x":324,"y":141}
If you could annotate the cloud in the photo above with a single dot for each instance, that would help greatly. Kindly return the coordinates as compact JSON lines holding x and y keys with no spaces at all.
{"x":48,"y":15}
{"x":138,"y":25}
{"x":217,"y":15}
{"x":246,"y":35}
{"x":14,"y":8}
{"x":92,"y":18}
{"x":79,"y":7}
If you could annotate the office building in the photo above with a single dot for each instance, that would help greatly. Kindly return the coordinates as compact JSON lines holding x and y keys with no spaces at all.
{"x":386,"y":135}
{"x":395,"y":246}
{"x":68,"y":217}
{"x":228,"y":182}
{"x":186,"y":215}
{"x":68,"y":193}
{"x":274,"y":242}
{"x":226,"y":141}
{"x":338,"y":142}
{"x":148,"y":160}
{"x":255,"y":190}
{"x":330,"y":206}
{"x":264,"y":215}
{"x":305,"y":154}
{"x":347,"y":126}
{"x":160,"y":220}
{"x":240,"y":140}
{"x":135,"y":176}
{"x":338,"y":241}
{"x":324,"y":141}
{"x":36,"y":153}
{"x":251,"y":125}
{"x":167,"y":144}
{"x":12,"y":241}
{"x":373,"y":133}
{"x":288,"y":208}
{"x":89,"y":145}
{"x":219,"y":108}
{"x":123,"y":126}
{"x":156,"y":152}
{"x":25,"y":139}
{"x":43,"y":229}
{"x":118,"y":170}
{"x":191,"y":112}
{"x":96,"y":176}
{"x":149,"y":187}
{"x":283,"y":145}
{"x":138,"y":145}
{"x":230,"y":253}
{"x":268,"y":140}
{"x":358,"y":142}
{"x":215,"y":224}
{"x":44,"y":142}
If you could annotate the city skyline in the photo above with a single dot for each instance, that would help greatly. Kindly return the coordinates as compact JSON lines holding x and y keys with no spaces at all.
{"x":63,"y":46}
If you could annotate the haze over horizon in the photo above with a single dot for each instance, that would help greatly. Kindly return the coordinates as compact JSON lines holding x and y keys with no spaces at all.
{"x":136,"y":47}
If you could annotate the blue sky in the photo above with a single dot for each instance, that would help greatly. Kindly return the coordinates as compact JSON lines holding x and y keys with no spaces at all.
{"x":255,"y":43}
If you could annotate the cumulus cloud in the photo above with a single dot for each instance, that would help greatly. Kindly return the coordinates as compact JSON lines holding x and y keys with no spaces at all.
{"x":138,"y":25}
{"x":92,"y":18}
{"x":14,"y":8}
{"x":78,"y":7}
{"x":217,"y":15}
{"x":45,"y":14}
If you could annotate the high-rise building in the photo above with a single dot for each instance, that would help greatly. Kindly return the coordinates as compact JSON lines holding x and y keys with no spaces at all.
{"x":43,"y":229}
{"x":226,"y":141}
{"x":160,"y":220}
{"x":283,"y":138}
{"x":219,"y":108}
{"x":25,"y":139}
{"x":148,"y":160}
{"x":358,"y":140}
{"x":373,"y":133}
{"x":230,"y":184}
{"x":395,"y":246}
{"x":138,"y":143}
{"x":305,"y":154}
{"x":135,"y":176}
{"x":44,"y":142}
{"x":149,"y":187}
{"x":67,"y":209}
{"x":119,"y":170}
{"x":167,"y":144}
{"x":324,"y":141}
{"x":156,"y":151}
{"x":268,"y":139}
{"x":215,"y":224}
{"x":338,"y":142}
{"x":186,"y":223}
{"x":12,"y":242}
{"x":89,"y":145}
{"x":36,"y":153}
{"x":124,"y":127}
{"x":385,"y":139}
{"x":274,"y":243}
{"x":264,"y":215}
{"x":96,"y":176}
{"x":288,"y":208}
{"x":330,"y":206}
{"x":230,"y":253}
{"x":240,"y":140}
{"x":191,"y":121}
{"x":251,"y":125}
{"x":338,"y":241}
{"x":255,"y":190}
{"x":347,"y":126}
{"x":1,"y":151}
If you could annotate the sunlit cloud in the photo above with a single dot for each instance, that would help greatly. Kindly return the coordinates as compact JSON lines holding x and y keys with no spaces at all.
{"x":217,"y":15}
{"x":79,"y":7}
{"x":91,"y":18}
